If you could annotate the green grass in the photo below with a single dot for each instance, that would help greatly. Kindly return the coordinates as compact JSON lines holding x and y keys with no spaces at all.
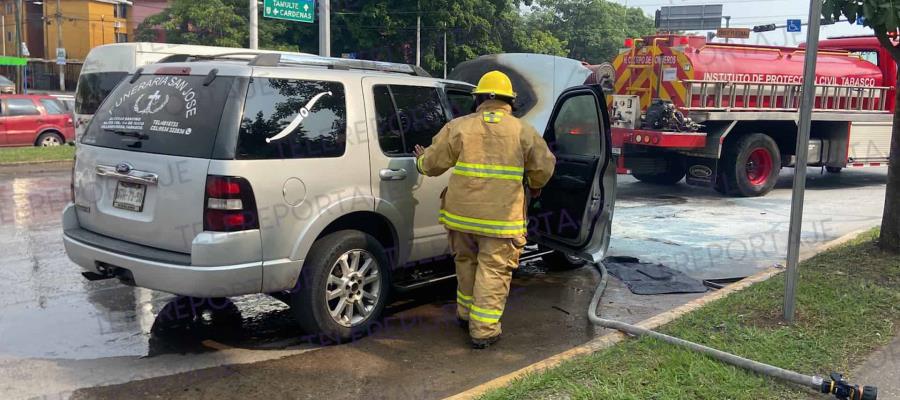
{"x":36,"y":154}
{"x":848,"y":303}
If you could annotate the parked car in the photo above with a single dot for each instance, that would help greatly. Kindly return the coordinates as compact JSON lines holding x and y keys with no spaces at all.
{"x":294,"y":176}
{"x":7,"y":86}
{"x":34,"y":120}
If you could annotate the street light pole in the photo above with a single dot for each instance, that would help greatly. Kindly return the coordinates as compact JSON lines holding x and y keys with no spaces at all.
{"x":325,"y":28}
{"x":418,"y":36}
{"x":59,"y":45}
{"x":20,"y":73}
{"x":807,"y":102}
{"x":254,"y":25}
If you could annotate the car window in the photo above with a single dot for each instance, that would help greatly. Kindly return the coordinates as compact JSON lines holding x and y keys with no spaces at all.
{"x":286,"y":118}
{"x":93,"y":88}
{"x":18,"y":107}
{"x":461,"y":103}
{"x":4,"y":81}
{"x":53,"y":107}
{"x":390,"y":138}
{"x":577,"y":126}
{"x":417,"y":116}
{"x":163,"y":114}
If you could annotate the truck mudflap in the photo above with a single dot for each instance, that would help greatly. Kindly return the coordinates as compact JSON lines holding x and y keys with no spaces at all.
{"x":701,"y":171}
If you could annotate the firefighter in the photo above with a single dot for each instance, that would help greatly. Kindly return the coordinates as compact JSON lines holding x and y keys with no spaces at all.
{"x":494,"y":157}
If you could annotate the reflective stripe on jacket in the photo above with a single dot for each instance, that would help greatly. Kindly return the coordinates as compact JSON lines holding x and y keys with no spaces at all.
{"x":492,"y":153}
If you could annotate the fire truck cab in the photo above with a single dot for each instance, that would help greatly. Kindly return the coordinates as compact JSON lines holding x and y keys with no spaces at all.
{"x":725,"y":115}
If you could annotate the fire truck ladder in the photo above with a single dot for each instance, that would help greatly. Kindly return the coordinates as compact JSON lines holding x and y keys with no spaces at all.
{"x":746,"y":96}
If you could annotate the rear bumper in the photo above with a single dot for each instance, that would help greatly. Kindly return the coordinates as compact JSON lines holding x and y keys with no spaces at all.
{"x":169,"y":271}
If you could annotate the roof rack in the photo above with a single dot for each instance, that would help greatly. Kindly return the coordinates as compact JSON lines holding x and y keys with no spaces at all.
{"x":278,"y":59}
{"x":184,"y":57}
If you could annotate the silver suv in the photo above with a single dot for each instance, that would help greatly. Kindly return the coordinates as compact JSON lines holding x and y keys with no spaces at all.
{"x":294,"y":176}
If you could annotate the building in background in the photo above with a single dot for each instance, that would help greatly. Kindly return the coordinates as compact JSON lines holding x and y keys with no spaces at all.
{"x":84,"y":24}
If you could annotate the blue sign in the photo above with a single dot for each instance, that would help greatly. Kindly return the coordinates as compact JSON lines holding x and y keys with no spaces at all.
{"x":794,"y":25}
{"x":861,"y":20}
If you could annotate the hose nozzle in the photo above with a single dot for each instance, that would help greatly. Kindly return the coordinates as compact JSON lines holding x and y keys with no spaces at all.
{"x":843,"y":390}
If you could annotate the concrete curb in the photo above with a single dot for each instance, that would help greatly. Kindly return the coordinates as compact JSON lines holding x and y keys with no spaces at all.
{"x":654,"y":322}
{"x":35,"y":166}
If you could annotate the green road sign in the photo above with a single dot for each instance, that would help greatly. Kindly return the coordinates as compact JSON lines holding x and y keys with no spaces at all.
{"x":291,"y":10}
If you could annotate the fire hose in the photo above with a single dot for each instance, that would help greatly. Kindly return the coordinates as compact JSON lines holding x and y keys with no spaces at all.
{"x":834,"y":384}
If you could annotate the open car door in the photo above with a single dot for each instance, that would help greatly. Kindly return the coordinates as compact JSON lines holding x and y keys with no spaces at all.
{"x":574,"y":213}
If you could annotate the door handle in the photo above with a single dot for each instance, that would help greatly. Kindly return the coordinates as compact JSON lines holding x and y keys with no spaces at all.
{"x":392,"y":174}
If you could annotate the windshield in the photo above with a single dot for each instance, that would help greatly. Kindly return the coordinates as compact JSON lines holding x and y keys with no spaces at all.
{"x":93,"y":88}
{"x":174,"y":115}
{"x":5,"y":81}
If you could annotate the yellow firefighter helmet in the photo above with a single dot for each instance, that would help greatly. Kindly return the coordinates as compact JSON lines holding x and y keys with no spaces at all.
{"x":495,"y":83}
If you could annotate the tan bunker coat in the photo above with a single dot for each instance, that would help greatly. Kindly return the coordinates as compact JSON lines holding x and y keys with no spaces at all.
{"x":492,"y":154}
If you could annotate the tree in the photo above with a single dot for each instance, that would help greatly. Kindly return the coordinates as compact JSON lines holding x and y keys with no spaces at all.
{"x":593,"y":30}
{"x":210,"y":23}
{"x":883,"y":16}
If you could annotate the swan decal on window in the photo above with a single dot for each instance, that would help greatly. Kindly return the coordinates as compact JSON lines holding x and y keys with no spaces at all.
{"x":304,"y":112}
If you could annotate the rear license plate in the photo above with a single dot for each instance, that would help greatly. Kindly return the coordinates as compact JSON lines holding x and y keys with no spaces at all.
{"x":130,"y":196}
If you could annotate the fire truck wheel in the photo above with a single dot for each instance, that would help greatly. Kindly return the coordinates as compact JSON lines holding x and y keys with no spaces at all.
{"x":750,"y":166}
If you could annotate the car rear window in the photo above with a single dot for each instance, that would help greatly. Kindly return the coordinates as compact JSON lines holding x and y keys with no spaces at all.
{"x":93,"y":88}
{"x":53,"y":107}
{"x":174,"y":115}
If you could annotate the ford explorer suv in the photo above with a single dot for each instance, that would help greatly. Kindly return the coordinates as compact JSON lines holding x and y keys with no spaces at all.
{"x":294,"y":176}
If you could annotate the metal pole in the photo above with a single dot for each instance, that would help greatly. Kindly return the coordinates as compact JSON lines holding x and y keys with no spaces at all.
{"x":59,"y":45}
{"x":3,"y":22}
{"x":325,"y":28}
{"x":20,"y":73}
{"x":418,"y":36}
{"x":727,"y":25}
{"x":807,"y":102}
{"x":445,"y":54}
{"x":254,"y":25}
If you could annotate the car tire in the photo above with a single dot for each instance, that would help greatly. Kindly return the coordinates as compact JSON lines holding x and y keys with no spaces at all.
{"x":343,"y":269}
{"x":50,"y":139}
{"x":557,"y":261}
{"x":750,"y":166}
{"x":674,"y":173}
{"x":833,"y":170}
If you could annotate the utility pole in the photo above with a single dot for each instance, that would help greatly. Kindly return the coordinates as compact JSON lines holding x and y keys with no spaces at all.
{"x":254,"y":25}
{"x":445,"y":54}
{"x":807,"y":102}
{"x":59,"y":45}
{"x":418,"y":36}
{"x":20,"y":73}
{"x":325,"y":28}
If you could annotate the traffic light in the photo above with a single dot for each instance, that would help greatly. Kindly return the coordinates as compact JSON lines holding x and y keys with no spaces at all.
{"x":764,"y":28}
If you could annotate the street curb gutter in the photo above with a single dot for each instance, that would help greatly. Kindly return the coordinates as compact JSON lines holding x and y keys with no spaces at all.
{"x":654,"y":322}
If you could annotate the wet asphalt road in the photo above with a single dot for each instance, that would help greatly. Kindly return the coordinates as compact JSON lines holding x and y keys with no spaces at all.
{"x":59,"y":332}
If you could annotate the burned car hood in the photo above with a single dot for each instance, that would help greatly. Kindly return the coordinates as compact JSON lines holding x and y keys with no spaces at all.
{"x":538,"y":80}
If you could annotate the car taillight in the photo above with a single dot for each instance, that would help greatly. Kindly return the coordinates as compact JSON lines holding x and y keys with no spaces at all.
{"x":229,"y":205}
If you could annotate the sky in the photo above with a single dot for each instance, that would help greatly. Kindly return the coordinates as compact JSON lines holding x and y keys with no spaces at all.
{"x":747,"y":13}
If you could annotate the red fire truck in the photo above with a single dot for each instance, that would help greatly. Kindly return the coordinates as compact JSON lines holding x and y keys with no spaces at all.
{"x":725,"y":115}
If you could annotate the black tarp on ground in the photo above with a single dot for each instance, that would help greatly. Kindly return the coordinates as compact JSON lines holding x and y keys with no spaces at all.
{"x":647,"y":278}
